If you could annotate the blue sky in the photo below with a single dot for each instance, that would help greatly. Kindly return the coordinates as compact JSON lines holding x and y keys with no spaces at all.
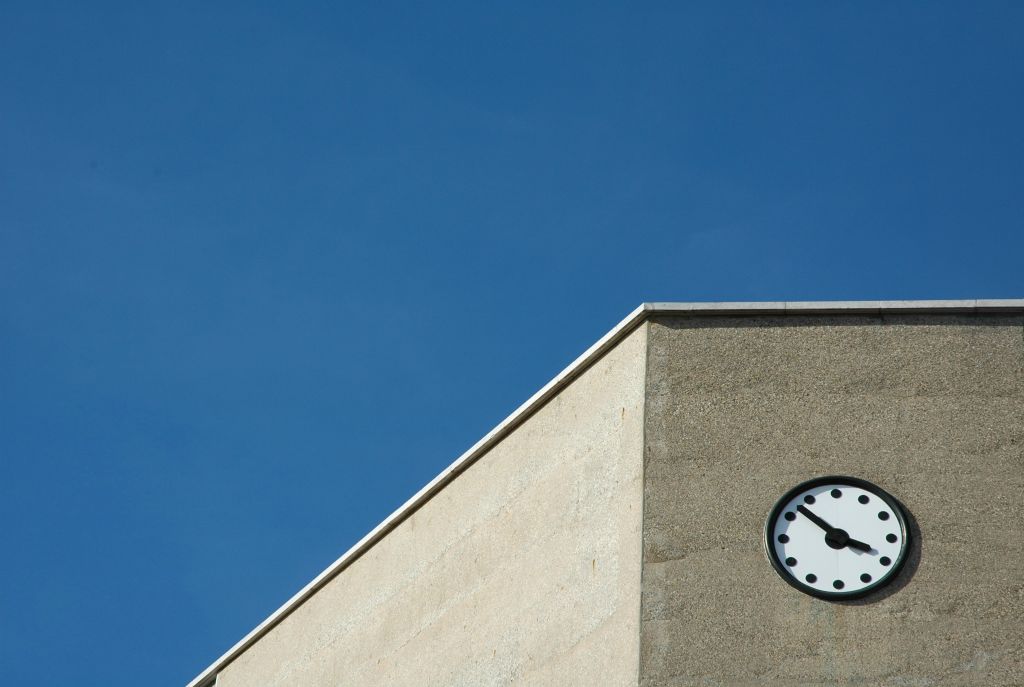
{"x":266,"y":269}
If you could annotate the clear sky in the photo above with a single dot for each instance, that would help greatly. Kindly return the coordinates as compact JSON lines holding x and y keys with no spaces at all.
{"x":267,"y":268}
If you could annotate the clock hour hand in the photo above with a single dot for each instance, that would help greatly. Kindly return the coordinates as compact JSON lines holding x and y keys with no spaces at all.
{"x":815,"y":519}
{"x":854,"y":544}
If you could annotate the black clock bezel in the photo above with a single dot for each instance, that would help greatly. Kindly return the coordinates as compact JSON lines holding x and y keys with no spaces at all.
{"x":888,"y":499}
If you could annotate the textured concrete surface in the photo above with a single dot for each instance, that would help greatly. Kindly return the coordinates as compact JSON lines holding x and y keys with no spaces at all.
{"x":525,"y":569}
{"x":742,"y":408}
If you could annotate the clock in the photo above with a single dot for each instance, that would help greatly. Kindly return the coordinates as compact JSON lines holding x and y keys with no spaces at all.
{"x":837,"y":537}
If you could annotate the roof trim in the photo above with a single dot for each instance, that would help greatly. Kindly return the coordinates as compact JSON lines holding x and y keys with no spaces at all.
{"x":566,"y":376}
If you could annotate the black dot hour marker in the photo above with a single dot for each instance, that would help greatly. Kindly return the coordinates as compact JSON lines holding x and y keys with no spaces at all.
{"x":791,"y":561}
{"x":809,"y":499}
{"x":836,"y":493}
{"x":865,"y":578}
{"x":863,"y":499}
{"x":891,"y":538}
{"x":812,"y":578}
{"x":883,"y":515}
{"x":791,"y":516}
{"x":885,"y":560}
{"x":783,"y":538}
{"x":838,"y":584}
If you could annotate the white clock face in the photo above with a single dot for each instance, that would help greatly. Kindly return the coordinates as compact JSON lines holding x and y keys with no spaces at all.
{"x":837,"y":537}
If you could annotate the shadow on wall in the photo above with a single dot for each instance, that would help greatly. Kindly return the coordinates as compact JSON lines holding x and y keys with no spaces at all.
{"x":905,"y":574}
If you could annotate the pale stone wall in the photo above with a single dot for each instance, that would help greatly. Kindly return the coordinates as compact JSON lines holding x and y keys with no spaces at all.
{"x":525,"y":569}
{"x":739,"y":410}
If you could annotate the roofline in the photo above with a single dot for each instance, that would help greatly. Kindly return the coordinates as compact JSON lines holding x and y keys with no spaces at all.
{"x":563,"y":379}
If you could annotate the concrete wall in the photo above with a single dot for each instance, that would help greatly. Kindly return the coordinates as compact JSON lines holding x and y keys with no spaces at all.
{"x":525,"y":569}
{"x":741,"y":409}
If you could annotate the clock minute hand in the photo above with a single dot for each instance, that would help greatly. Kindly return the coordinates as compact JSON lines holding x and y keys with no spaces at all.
{"x":815,"y":519}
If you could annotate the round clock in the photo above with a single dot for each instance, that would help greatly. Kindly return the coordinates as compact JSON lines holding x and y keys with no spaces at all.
{"x":837,"y":537}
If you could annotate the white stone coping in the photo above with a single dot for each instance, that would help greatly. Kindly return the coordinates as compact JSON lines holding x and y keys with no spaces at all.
{"x":1007,"y":305}
{"x":606,"y":342}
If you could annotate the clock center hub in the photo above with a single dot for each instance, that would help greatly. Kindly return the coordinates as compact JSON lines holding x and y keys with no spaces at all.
{"x":837,"y":538}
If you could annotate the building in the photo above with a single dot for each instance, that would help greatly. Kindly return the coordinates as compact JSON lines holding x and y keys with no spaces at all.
{"x":612,"y":530}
